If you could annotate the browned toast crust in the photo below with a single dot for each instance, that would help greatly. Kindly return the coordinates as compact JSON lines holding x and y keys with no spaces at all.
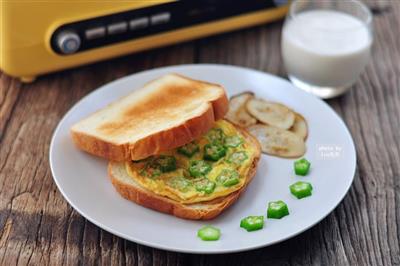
{"x":157,"y":142}
{"x":209,"y":210}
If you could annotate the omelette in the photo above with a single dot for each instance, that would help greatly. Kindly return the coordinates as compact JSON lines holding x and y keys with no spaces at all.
{"x":212,"y":166}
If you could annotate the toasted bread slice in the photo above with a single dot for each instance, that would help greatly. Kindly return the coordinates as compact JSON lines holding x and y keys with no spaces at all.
{"x":131,"y":190}
{"x":166,"y":113}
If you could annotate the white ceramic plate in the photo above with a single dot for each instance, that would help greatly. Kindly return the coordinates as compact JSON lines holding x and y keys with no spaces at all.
{"x":82,"y":179}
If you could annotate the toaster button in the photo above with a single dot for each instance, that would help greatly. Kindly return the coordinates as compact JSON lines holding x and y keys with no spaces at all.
{"x":95,"y":33}
{"x":68,"y":42}
{"x":138,"y":23}
{"x":117,"y":28}
{"x":160,"y":18}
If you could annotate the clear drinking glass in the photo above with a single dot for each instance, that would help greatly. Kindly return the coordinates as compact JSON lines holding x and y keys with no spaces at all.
{"x":326,"y":44}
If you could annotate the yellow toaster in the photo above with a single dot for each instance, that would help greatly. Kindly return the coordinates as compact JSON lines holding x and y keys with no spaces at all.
{"x":38,"y":37}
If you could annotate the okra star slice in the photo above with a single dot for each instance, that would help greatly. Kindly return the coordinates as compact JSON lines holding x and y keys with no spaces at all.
{"x":209,"y":233}
{"x":205,"y":185}
{"x":233,"y":141}
{"x":165,"y":163}
{"x":302,"y":166}
{"x":277,"y":209}
{"x":301,"y":189}
{"x":189,"y":149}
{"x":252,"y":223}
{"x":199,"y":168}
{"x":237,"y":157}
{"x":180,"y":183}
{"x":214,"y":151}
{"x":228,"y":178}
{"x":216,"y":135}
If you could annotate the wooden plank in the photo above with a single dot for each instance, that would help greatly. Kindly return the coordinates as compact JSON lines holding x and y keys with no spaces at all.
{"x":257,"y":48}
{"x":9,"y":91}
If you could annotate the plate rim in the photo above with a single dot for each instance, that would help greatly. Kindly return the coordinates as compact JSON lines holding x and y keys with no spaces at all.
{"x":191,"y":251}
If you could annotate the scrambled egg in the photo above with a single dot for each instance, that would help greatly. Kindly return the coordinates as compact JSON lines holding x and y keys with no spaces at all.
{"x":212,"y":166}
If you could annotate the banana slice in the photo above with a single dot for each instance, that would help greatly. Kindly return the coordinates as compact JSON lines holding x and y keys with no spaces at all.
{"x":270,"y":113}
{"x":300,"y":127}
{"x":237,"y":113}
{"x":278,"y":142}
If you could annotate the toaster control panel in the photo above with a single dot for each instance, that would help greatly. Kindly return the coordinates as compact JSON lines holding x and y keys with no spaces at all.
{"x":111,"y":29}
{"x":68,"y":42}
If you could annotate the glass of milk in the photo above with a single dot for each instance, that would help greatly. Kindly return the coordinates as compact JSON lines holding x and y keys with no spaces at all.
{"x":326,"y":44}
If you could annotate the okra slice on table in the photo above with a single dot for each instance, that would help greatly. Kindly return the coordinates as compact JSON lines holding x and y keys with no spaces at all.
{"x":301,"y":189}
{"x":209,"y":233}
{"x":302,"y":167}
{"x":277,"y":209}
{"x":252,"y":223}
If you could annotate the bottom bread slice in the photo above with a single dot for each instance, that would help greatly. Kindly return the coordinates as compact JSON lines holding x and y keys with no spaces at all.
{"x":133,"y":191}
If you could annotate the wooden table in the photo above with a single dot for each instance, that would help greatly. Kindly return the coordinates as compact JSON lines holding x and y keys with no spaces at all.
{"x":38,"y":227}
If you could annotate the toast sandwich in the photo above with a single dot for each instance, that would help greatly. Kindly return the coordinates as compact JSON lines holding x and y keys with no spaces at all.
{"x":170,"y":148}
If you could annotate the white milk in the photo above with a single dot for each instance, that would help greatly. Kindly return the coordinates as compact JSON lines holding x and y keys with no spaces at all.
{"x":325,"y":48}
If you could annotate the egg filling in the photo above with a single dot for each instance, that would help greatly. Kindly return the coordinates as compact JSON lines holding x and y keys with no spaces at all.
{"x":212,"y":166}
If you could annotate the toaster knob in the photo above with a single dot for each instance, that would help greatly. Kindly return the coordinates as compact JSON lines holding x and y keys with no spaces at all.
{"x":68,"y":42}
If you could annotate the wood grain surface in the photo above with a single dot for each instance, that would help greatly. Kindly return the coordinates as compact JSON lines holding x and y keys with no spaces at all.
{"x":38,"y":227}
